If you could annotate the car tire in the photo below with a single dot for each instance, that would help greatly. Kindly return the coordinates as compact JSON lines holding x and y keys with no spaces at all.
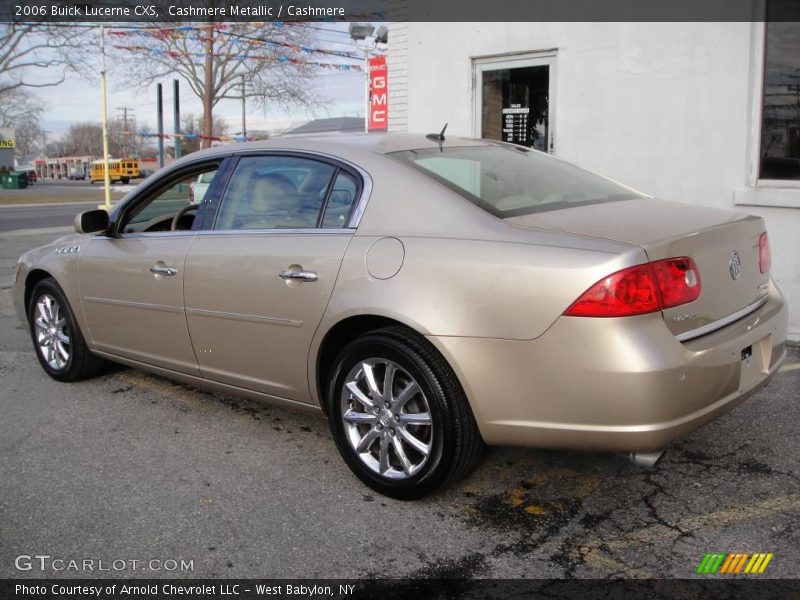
{"x":434,"y":451}
{"x":57,"y":338}
{"x":125,"y":181}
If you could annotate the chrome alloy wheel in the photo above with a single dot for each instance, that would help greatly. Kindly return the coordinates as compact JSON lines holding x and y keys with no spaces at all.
{"x":387,"y":419}
{"x":51,"y":332}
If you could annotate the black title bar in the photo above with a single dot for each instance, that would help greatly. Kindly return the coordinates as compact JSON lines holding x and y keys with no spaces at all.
{"x":718,"y":588}
{"x":219,"y":11}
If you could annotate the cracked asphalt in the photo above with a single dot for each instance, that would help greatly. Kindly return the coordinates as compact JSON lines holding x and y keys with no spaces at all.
{"x":132,"y":466}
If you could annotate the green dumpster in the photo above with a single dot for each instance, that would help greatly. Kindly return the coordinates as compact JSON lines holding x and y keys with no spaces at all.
{"x":15,"y":180}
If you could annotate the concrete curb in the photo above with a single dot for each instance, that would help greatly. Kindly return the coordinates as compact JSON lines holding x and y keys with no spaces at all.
{"x":44,"y":204}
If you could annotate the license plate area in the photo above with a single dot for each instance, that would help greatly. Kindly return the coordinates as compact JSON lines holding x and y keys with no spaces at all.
{"x":754,"y":365}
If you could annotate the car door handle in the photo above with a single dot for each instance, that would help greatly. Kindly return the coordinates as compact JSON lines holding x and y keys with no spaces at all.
{"x":167,"y":271}
{"x":308,"y":276}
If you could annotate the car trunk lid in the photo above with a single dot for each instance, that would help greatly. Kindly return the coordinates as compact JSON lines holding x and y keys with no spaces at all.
{"x":666,"y":230}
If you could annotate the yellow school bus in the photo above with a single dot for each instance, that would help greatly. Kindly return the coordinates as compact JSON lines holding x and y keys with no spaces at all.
{"x":119,"y":169}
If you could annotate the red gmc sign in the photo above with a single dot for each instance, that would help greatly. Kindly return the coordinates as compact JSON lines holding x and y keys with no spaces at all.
{"x":378,"y":94}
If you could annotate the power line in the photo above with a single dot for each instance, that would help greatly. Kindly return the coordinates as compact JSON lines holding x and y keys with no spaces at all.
{"x":342,"y":54}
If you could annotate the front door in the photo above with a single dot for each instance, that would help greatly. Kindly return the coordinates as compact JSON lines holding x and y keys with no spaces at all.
{"x":257,"y":285}
{"x":132,"y":285}
{"x":132,"y":293}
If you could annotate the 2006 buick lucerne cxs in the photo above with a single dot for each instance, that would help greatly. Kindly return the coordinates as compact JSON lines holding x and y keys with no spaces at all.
{"x":428,"y":295}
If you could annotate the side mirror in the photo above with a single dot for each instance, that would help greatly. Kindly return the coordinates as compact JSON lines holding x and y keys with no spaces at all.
{"x":92,"y":221}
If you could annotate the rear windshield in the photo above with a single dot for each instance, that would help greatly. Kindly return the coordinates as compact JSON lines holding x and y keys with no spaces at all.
{"x":510,"y":181}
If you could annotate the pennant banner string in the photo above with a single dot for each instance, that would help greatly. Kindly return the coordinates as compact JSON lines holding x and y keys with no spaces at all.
{"x":280,"y":58}
{"x":192,"y":32}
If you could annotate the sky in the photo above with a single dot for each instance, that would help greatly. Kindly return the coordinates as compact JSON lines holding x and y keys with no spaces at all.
{"x":78,"y":100}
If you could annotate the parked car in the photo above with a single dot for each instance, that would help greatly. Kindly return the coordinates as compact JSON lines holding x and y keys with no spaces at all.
{"x":31,"y":175}
{"x":198,"y":188}
{"x":77,"y":175}
{"x":429,"y":296}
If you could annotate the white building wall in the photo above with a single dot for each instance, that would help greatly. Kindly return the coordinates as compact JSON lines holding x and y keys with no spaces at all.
{"x":667,"y":108}
{"x":397,"y":57}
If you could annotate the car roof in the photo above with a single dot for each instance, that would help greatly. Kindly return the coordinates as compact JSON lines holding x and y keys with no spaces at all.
{"x":350,"y":144}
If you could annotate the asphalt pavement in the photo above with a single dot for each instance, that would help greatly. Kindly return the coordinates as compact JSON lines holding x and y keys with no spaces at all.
{"x":68,"y":199}
{"x":136,"y":467}
{"x":36,"y":216}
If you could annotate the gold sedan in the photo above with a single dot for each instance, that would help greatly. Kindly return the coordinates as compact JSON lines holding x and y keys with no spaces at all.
{"x":429,"y":296}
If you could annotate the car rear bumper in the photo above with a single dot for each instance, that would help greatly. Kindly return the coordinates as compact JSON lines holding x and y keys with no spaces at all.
{"x":618,"y":384}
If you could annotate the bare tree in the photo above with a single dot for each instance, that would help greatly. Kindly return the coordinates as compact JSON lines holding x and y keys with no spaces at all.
{"x":27,"y":135}
{"x":214,"y":62}
{"x":54,"y":148}
{"x":19,"y":105}
{"x":49,"y":51}
{"x":86,"y":139}
{"x":139,"y":145}
{"x":127,"y":141}
{"x":192,"y":124}
{"x":25,"y":47}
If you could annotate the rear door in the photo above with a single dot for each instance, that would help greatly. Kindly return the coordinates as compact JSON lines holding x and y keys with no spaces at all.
{"x":257,"y":285}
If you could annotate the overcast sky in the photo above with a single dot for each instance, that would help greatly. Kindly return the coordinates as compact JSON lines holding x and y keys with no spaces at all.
{"x":77,"y":100}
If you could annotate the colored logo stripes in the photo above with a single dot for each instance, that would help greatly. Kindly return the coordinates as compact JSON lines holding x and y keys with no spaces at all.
{"x":734,"y":563}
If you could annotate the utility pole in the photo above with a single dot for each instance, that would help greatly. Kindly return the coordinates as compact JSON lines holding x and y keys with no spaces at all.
{"x":43,"y":173}
{"x":176,"y":117}
{"x":126,"y":133}
{"x":106,"y":174}
{"x":160,"y":130}
{"x":244,"y":126}
{"x":366,"y":90}
{"x":360,"y":32}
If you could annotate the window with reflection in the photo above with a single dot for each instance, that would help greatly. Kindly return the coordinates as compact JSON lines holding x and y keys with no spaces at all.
{"x":780,"y":117}
{"x":173,"y":208}
{"x":287,"y":192}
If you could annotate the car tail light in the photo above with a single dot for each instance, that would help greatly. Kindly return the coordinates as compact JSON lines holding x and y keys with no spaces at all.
{"x":764,"y":253}
{"x":678,"y":281}
{"x":641,"y":289}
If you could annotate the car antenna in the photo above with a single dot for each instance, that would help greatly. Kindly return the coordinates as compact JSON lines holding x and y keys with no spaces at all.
{"x":437,"y":137}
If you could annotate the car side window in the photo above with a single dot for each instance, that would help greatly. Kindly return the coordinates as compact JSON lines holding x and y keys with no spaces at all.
{"x":157,"y":213}
{"x":343,"y":194}
{"x":275,"y":192}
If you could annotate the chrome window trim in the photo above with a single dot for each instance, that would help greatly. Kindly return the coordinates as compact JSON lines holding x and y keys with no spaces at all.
{"x":287,"y":231}
{"x":358,"y":211}
{"x":216,"y":232}
{"x":720,"y":323}
{"x":148,"y":235}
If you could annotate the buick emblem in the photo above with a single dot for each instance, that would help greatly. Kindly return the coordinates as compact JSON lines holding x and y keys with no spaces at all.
{"x":735,"y":265}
